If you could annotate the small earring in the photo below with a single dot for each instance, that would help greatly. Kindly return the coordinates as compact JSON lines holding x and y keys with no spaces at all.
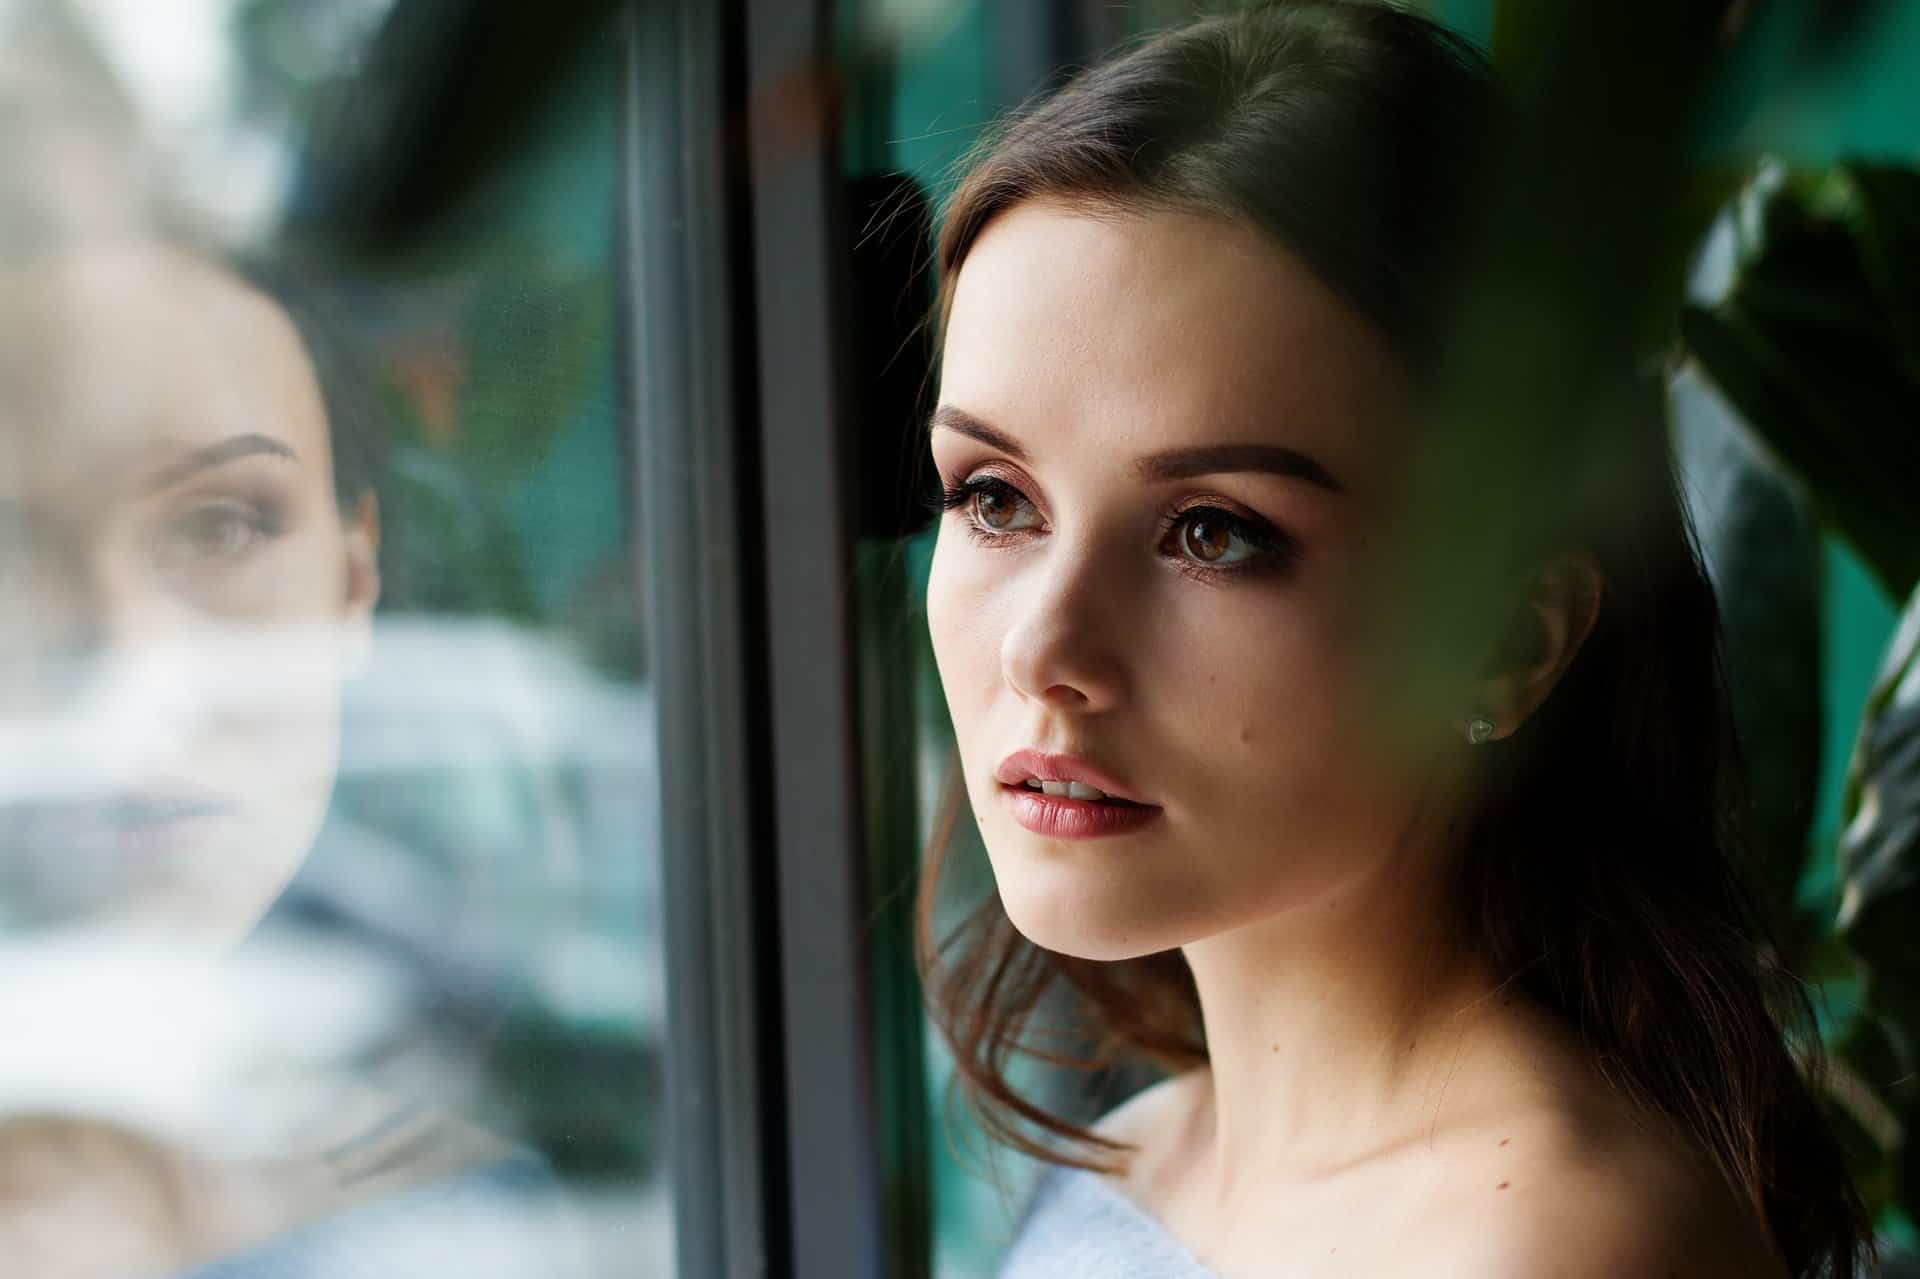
{"x":1479,"y":729}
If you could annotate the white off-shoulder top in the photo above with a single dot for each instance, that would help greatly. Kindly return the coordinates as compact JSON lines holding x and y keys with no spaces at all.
{"x":1078,"y":1225}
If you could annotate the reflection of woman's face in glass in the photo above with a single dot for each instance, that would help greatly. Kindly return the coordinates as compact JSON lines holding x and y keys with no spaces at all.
{"x":179,"y":590}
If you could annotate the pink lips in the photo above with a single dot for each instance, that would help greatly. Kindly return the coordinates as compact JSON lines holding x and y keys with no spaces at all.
{"x":1047,"y":766}
{"x":1058,"y":817}
{"x":61,"y":855}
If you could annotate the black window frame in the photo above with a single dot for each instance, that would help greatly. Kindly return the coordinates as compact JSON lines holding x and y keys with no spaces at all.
{"x":732,"y":301}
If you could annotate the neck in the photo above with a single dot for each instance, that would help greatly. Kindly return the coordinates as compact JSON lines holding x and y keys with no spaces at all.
{"x":1332,"y":1029}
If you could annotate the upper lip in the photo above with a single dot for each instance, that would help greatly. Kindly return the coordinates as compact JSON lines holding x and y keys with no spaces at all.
{"x":1049,"y":766}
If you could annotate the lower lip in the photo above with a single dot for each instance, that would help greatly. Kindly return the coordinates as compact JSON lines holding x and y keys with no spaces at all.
{"x":1058,"y":817}
{"x":175,"y":836}
{"x":87,"y":852}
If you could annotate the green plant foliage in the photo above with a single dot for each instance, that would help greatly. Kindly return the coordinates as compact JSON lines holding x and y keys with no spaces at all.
{"x":1762,"y":550}
{"x":1816,"y":346}
{"x":1888,"y":219}
{"x":1880,"y":843}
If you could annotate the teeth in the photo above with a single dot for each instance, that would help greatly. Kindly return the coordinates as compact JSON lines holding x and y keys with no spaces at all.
{"x":1066,"y":790}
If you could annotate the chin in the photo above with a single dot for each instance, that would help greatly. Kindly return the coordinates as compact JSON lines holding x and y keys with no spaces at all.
{"x":1083,"y":912}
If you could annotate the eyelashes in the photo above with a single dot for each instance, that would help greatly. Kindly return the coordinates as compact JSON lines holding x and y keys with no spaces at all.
{"x":217,"y":535}
{"x":1262,"y":547}
{"x":970,"y":494}
{"x":954,"y":496}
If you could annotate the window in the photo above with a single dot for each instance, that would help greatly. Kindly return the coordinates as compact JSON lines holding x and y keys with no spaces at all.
{"x":467,"y":725}
{"x":329,"y":851}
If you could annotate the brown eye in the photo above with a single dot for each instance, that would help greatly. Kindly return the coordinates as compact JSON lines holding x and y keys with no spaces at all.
{"x":1207,"y":537}
{"x":994,"y":510}
{"x":997,"y":507}
{"x":1214,"y":538}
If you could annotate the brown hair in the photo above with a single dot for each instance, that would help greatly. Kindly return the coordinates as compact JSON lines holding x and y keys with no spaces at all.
{"x":1355,"y":135}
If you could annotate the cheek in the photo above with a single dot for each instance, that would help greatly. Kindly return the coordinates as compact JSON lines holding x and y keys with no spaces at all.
{"x":268,"y":649}
{"x":1268,"y":697}
{"x":961,"y":621}
{"x":1266,"y":684}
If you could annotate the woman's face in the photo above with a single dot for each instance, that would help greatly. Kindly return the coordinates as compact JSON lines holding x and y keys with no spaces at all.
{"x":178,"y":593}
{"x":1172,"y":566}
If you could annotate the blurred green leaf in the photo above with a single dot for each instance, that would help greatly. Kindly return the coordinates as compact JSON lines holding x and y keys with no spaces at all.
{"x":1813,"y":343}
{"x":1809,"y":345}
{"x":1889,"y":227}
{"x":1762,"y":550}
{"x":1880,"y":843}
{"x":1520,"y":30}
{"x":1865,"y":1108}
{"x":1537,"y":369}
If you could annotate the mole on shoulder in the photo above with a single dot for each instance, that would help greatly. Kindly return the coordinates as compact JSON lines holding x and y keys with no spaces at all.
{"x":1503,"y":1185}
{"x":1505,"y":1140}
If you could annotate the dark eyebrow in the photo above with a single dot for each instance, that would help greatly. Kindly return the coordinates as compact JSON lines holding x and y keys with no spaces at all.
{"x":1220,"y":459}
{"x":219,"y":455}
{"x":1174,"y":464}
{"x":965,"y":423}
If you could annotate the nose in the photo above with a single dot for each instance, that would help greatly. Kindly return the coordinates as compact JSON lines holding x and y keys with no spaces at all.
{"x":1065,"y":647}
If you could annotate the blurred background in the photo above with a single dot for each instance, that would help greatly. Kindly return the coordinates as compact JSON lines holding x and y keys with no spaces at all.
{"x":579,"y":942}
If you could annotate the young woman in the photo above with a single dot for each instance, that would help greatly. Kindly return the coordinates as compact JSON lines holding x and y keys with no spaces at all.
{"x":1445,"y":984}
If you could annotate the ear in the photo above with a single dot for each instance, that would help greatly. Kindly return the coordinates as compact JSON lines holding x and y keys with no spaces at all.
{"x":361,"y":526}
{"x":1540,"y":642}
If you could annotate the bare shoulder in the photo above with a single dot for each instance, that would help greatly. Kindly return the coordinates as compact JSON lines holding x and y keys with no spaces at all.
{"x":1582,"y":1194}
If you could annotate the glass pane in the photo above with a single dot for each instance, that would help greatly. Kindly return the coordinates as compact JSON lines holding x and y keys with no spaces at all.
{"x":328,"y":868}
